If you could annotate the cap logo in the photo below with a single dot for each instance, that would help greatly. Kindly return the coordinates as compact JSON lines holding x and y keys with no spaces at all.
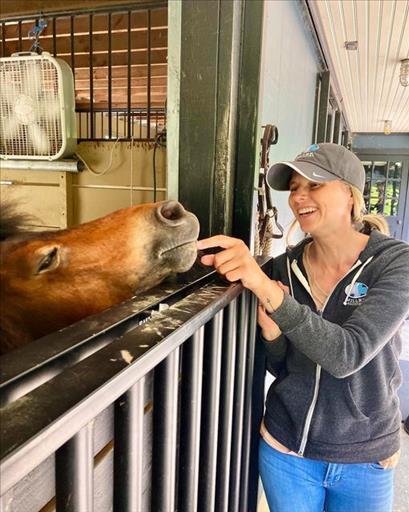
{"x":309,"y":152}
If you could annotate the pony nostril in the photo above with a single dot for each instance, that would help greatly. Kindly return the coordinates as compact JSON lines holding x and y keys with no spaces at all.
{"x":171,"y":211}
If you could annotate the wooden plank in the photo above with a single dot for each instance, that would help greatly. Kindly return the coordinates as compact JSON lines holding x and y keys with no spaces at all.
{"x":119,"y":83}
{"x":99,"y":42}
{"x":118,"y":58}
{"x":13,"y":8}
{"x":157,"y":70}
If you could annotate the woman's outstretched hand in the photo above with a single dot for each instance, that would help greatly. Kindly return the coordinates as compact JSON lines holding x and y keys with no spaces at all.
{"x":235,"y":263}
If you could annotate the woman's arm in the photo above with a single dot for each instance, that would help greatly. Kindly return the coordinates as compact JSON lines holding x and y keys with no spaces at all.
{"x":340,"y":350}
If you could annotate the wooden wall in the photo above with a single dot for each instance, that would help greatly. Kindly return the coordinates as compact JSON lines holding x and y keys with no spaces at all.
{"x":59,"y":200}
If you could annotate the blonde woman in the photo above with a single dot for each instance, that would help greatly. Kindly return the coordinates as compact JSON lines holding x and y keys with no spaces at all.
{"x":330,"y":315}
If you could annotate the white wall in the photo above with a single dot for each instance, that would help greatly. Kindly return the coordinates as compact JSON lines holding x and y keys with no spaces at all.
{"x":287,"y":93}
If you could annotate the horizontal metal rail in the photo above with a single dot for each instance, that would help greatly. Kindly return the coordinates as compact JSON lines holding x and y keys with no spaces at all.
{"x":39,"y":361}
{"x":31,"y":433}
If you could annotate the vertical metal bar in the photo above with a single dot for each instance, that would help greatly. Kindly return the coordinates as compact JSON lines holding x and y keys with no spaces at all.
{"x":129,"y":73}
{"x":91,"y":78}
{"x":226,"y":409}
{"x":129,"y":449}
{"x":109,"y":75}
{"x":190,"y":411}
{"x":249,"y":436}
{"x":54,"y":37}
{"x":72,"y":47}
{"x":3,"y":40}
{"x":210,"y":414}
{"x":149,"y":49}
{"x":74,"y":468}
{"x":20,"y":39}
{"x":323,"y":107}
{"x":337,"y":127}
{"x":238,"y":411}
{"x":165,"y":408}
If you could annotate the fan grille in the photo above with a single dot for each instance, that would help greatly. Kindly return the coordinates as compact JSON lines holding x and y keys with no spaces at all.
{"x":30,"y":113}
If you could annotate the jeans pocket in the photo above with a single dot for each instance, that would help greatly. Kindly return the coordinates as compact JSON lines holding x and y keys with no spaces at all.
{"x":376,"y":466}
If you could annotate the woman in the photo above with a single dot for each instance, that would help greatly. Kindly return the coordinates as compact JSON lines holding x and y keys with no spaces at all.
{"x":330,"y":314}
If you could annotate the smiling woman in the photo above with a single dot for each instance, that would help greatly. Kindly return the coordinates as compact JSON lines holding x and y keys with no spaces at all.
{"x":51,"y":279}
{"x":330,"y":316}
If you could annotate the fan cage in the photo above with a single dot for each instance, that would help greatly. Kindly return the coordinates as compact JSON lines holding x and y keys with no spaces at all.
{"x":32,"y":83}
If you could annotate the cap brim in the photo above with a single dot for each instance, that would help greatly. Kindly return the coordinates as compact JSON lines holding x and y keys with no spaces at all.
{"x":279,"y":174}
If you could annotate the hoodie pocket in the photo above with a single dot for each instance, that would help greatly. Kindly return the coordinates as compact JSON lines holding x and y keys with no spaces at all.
{"x":337,"y":418}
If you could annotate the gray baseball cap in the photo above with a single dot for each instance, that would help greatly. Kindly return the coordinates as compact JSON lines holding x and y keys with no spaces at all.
{"x":319,"y":163}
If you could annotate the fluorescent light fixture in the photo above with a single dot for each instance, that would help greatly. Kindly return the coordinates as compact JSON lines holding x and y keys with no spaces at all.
{"x":404,"y":72}
{"x":351,"y":45}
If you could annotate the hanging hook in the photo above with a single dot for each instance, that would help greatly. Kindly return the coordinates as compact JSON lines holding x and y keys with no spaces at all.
{"x":35,"y":32}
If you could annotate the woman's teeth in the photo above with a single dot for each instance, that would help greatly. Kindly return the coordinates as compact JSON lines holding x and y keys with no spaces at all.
{"x":306,"y":211}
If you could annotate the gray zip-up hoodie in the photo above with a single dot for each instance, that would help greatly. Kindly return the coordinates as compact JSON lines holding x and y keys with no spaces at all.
{"x":337,"y":370}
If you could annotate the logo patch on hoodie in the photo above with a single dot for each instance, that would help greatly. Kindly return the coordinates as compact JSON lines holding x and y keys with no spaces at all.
{"x":355,"y":294}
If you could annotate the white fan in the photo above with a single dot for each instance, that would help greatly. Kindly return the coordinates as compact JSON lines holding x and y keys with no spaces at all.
{"x":37,"y":107}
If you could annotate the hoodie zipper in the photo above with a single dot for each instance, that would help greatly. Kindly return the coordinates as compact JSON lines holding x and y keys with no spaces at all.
{"x":313,"y":403}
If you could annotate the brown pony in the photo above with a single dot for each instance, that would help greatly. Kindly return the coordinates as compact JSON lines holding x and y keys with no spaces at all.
{"x":49,"y":280}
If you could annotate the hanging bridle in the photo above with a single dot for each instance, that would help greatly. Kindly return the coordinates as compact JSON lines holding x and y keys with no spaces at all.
{"x":267,"y":213}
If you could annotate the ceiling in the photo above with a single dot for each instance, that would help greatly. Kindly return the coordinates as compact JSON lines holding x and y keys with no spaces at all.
{"x":366,"y":81}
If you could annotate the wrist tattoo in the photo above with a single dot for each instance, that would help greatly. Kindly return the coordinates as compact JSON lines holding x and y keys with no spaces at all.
{"x":270,"y":305}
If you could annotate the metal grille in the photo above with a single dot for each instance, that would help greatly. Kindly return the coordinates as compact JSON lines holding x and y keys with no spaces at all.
{"x":194,"y":451}
{"x":30,"y":113}
{"x":119,"y":60}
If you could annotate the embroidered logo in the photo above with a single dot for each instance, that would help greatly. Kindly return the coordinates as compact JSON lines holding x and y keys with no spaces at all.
{"x":355,"y":294}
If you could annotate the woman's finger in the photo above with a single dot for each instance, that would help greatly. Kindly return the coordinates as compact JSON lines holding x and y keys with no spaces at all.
{"x":218,"y":241}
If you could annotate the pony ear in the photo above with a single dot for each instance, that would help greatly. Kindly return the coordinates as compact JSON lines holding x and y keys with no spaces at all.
{"x":47,"y":258}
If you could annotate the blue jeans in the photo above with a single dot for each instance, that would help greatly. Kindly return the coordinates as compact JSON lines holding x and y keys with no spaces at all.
{"x":296,"y":484}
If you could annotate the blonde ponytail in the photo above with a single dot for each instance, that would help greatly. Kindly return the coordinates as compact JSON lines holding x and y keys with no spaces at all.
{"x":366,"y":222}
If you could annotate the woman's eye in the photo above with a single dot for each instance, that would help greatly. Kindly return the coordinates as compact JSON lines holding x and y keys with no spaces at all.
{"x":315,"y":185}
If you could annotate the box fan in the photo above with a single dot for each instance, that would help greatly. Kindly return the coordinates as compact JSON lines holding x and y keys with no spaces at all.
{"x":37,"y":107}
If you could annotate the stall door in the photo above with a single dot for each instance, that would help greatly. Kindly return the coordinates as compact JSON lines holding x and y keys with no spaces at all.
{"x":386,"y":191}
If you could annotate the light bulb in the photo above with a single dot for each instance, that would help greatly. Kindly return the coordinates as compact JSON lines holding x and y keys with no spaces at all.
{"x":387,"y":127}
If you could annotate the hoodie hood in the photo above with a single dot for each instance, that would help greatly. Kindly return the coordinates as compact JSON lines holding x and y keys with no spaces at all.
{"x":377,"y":243}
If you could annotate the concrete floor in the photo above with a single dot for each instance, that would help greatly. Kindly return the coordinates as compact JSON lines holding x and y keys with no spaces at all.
{"x":401,"y":500}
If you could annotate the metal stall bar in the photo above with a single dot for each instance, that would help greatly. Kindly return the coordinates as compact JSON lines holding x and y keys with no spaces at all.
{"x":130,"y":133}
{"x":74,"y":473}
{"x":3,"y":39}
{"x":245,"y":492}
{"x":91,"y":79}
{"x":210,"y":414}
{"x":165,"y":416}
{"x":20,"y":37}
{"x":226,"y":408}
{"x":238,"y":410}
{"x":129,"y":449}
{"x":110,"y":76}
{"x":149,"y":49}
{"x":54,"y":37}
{"x":191,"y":396}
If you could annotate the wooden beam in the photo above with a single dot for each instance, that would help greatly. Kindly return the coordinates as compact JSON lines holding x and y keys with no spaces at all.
{"x":14,"y":9}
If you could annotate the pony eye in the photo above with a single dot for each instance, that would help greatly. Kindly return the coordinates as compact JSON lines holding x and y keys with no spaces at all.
{"x":47,"y":261}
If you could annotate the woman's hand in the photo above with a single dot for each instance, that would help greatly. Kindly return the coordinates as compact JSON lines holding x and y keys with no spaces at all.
{"x":269,"y":328}
{"x":235,"y":263}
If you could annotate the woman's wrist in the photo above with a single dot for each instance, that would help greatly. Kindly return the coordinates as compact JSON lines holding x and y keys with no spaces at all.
{"x":269,"y":294}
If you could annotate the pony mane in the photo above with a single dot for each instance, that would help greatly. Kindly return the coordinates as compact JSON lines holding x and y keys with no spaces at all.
{"x":12,"y":222}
